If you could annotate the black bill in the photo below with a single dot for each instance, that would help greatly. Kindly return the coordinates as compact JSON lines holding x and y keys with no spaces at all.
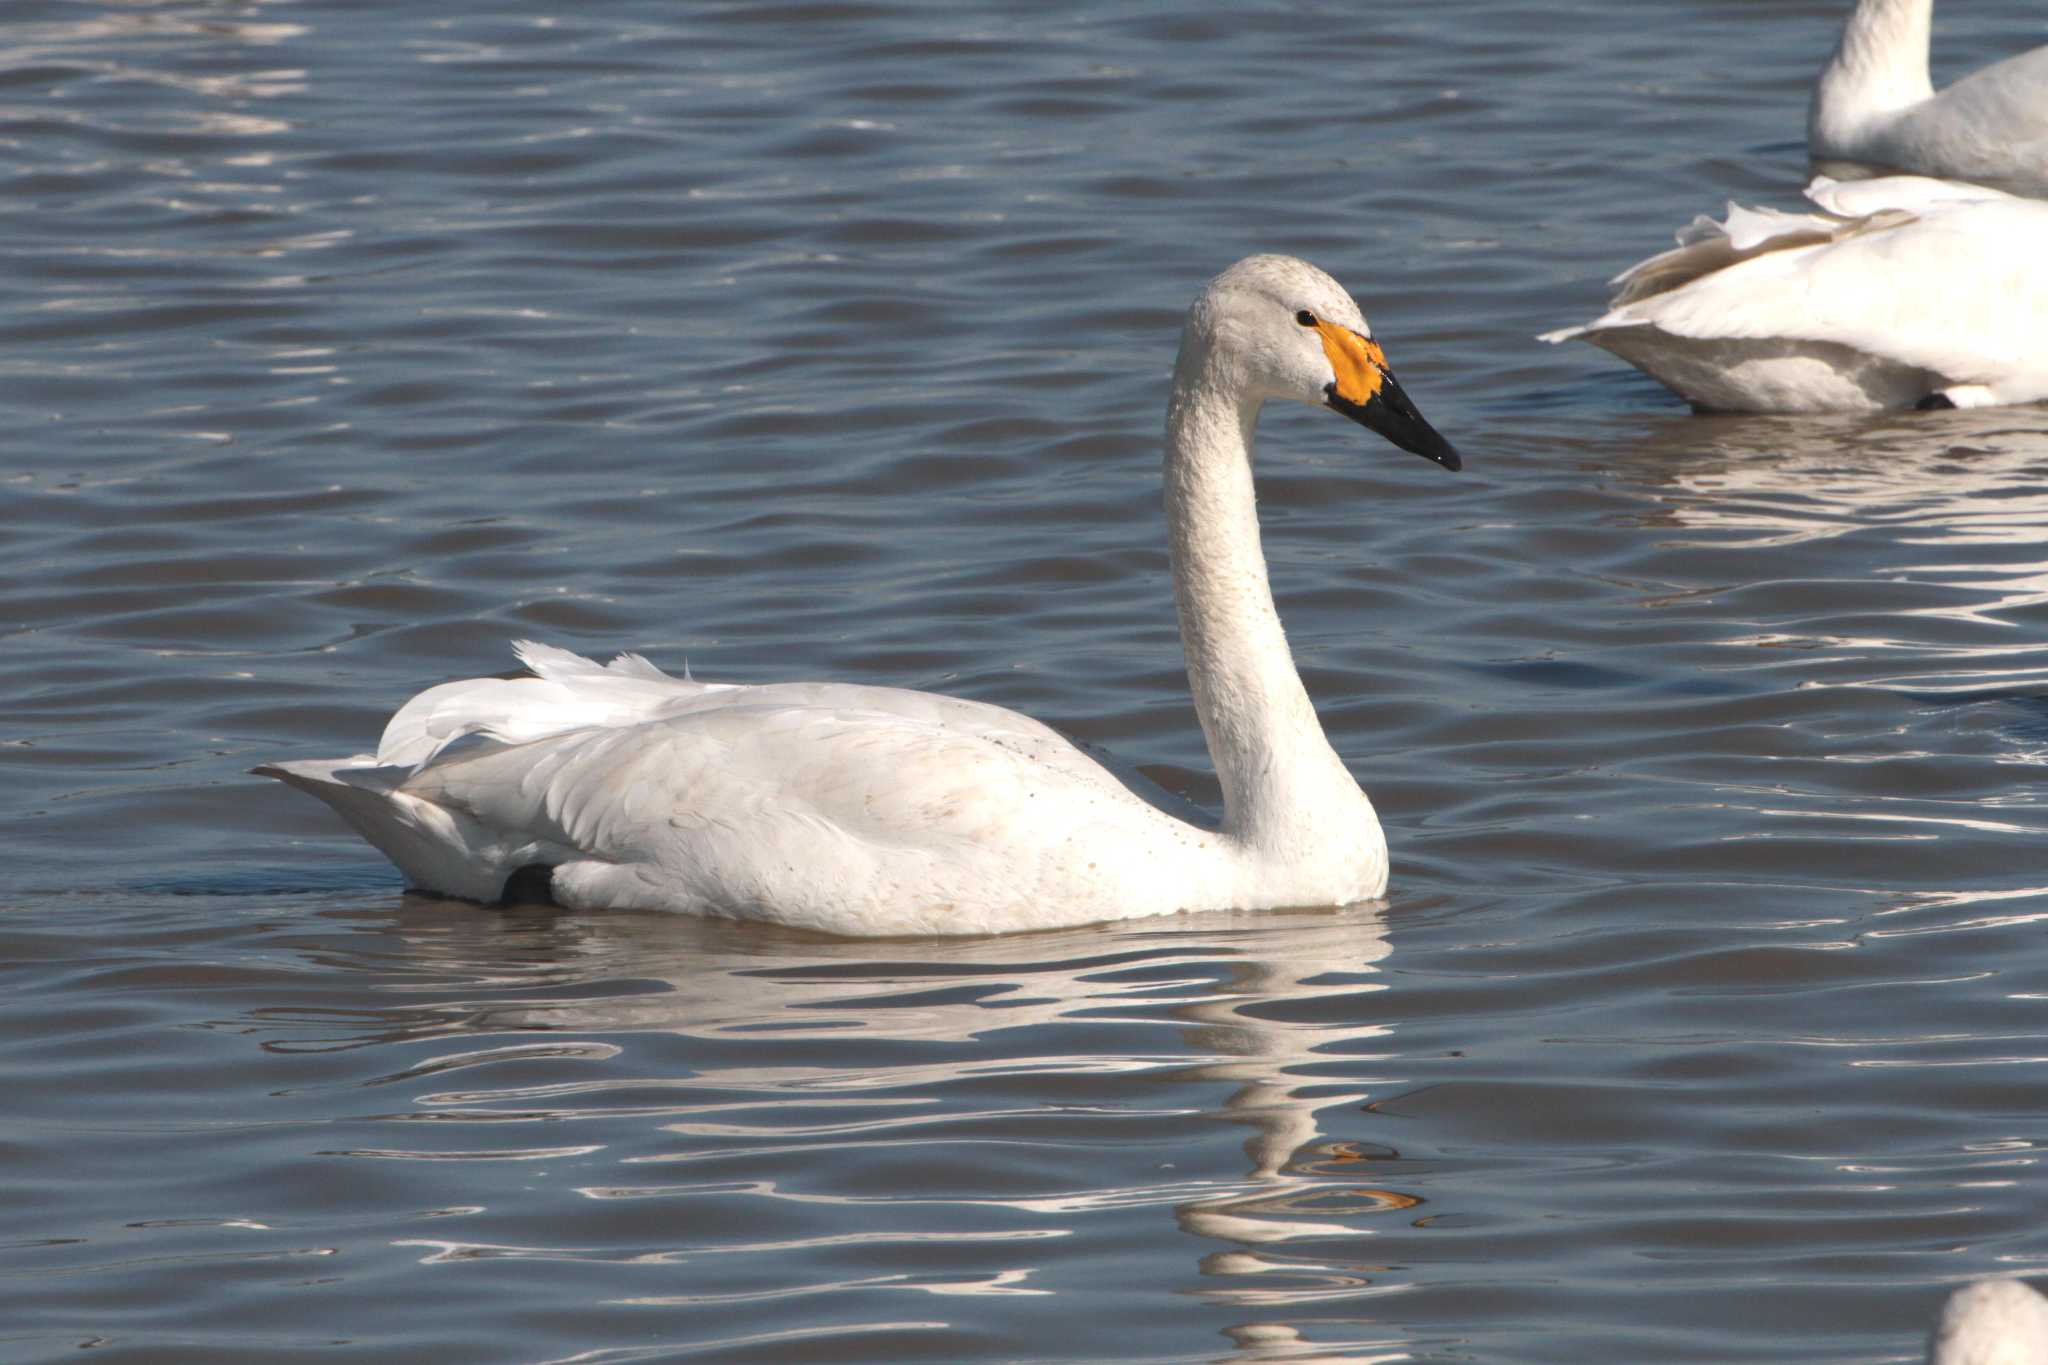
{"x":1389,"y":412}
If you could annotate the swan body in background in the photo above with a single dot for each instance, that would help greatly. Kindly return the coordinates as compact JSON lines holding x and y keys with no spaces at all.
{"x":863,"y":810}
{"x":1991,"y":1322}
{"x":1902,"y":292}
{"x":1875,"y":104}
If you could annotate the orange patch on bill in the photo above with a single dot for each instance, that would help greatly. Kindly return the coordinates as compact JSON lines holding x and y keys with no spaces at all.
{"x":1358,"y":362}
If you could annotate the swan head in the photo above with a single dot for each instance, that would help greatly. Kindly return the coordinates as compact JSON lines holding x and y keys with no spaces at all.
{"x":1277,"y":327}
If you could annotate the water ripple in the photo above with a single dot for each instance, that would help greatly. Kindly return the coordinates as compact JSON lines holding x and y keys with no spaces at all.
{"x":829,"y":339}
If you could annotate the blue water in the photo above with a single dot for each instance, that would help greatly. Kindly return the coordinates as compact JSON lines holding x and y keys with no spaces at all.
{"x":347,"y":343}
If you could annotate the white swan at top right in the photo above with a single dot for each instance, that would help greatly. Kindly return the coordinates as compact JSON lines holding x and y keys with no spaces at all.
{"x":1875,"y":104}
{"x":1902,"y":292}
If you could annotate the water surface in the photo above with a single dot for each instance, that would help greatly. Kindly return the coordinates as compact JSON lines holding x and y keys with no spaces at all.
{"x":1704,"y":1020}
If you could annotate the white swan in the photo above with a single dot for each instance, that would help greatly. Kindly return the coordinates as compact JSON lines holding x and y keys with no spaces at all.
{"x":1875,"y":104}
{"x":872,"y":810}
{"x":1905,"y":291}
{"x":1991,"y":1322}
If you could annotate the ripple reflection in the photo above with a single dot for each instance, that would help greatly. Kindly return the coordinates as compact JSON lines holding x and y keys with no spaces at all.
{"x":794,"y":1117}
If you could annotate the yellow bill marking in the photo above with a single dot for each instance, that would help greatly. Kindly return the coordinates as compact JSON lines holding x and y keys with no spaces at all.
{"x":1358,"y":362}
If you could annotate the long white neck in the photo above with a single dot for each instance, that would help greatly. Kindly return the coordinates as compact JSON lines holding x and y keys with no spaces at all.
{"x":1285,"y":791}
{"x":1879,"y":68}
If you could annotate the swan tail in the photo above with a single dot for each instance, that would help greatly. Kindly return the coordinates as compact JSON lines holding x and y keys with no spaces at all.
{"x":359,"y":776}
{"x":433,"y":847}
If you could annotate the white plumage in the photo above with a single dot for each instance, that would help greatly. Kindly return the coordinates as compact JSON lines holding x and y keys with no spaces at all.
{"x":1902,"y":291}
{"x":1875,"y":104}
{"x":1991,"y":1322}
{"x":872,"y":810}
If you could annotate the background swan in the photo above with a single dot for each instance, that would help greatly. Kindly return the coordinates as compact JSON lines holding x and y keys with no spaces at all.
{"x":870,"y":810}
{"x":1875,"y":103}
{"x":1903,"y":291}
{"x":1991,"y":1322}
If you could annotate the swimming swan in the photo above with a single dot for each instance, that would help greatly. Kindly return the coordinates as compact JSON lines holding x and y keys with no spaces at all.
{"x":1904,"y":291}
{"x":1875,"y":104}
{"x":873,"y":810}
{"x":1991,"y":1322}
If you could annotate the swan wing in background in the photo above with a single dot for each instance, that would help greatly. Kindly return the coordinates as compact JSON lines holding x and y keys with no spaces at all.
{"x":1903,"y":290}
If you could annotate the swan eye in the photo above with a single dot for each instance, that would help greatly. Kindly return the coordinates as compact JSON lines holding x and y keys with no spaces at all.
{"x":1305,"y":318}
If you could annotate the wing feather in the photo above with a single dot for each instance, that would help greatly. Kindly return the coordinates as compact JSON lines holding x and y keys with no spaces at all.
{"x":1927,"y":274}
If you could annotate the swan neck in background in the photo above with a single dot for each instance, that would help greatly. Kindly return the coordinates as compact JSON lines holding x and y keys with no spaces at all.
{"x":1283,"y":786}
{"x":1878,"y":69}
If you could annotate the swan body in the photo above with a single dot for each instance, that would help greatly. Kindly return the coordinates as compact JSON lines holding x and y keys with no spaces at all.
{"x":1902,"y":291}
{"x":865,"y":810}
{"x":1875,"y":104}
{"x":1991,"y":1322}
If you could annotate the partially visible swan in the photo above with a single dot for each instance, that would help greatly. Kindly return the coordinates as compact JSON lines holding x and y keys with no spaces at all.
{"x":1904,"y":291}
{"x":1875,"y":103}
{"x":872,"y":810}
{"x":1991,"y":1322}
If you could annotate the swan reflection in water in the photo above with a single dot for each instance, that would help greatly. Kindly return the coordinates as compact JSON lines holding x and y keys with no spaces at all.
{"x":1971,"y":478}
{"x":1095,"y":1063}
{"x":1856,"y":599}
{"x":1948,"y":514}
